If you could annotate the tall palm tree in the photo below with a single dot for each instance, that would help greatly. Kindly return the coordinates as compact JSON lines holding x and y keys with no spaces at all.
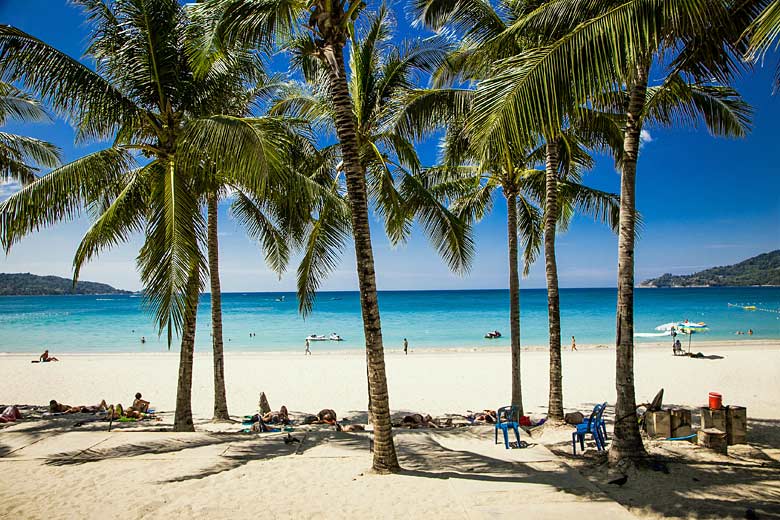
{"x":21,"y":157}
{"x":471,"y":173}
{"x":483,"y":32}
{"x":616,"y":42}
{"x":475,"y":23}
{"x":327,"y":28}
{"x":381,"y":77}
{"x":145,"y":97}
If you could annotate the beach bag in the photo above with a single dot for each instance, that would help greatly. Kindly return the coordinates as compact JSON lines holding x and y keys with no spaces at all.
{"x":574,"y":418}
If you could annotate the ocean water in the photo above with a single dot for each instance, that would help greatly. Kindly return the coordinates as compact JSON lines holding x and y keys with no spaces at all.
{"x":429,"y":319}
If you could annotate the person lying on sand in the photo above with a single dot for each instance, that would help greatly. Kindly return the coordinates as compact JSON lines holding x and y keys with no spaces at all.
{"x":10,"y":414}
{"x":45,"y":358}
{"x":259,"y":425}
{"x":55,"y":407}
{"x":116,"y":412}
{"x":326,"y":416}
{"x":280,"y":417}
{"x":350,"y":428}
{"x":486,"y":416}
{"x":417,"y":420}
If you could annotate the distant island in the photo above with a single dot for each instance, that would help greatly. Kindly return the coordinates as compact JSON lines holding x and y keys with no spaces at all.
{"x":760,"y":270}
{"x":26,"y":284}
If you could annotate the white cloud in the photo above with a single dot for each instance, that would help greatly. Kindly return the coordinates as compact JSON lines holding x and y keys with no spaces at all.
{"x":645,"y":137}
{"x":8,"y":188}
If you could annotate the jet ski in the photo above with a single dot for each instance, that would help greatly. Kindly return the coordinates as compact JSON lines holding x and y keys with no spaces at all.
{"x":335,"y":337}
{"x":493,"y":334}
{"x":316,"y":337}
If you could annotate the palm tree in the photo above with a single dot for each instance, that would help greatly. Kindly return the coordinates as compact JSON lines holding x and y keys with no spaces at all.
{"x":327,"y":28}
{"x":16,"y":151}
{"x":144,"y":95}
{"x":381,"y":77}
{"x":470,"y":175}
{"x":616,"y":42}
{"x":762,"y":32}
{"x":483,"y":32}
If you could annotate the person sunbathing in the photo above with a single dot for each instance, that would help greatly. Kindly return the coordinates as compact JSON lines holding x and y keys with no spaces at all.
{"x":10,"y":414}
{"x":45,"y":357}
{"x":280,"y":417}
{"x":116,"y":412}
{"x":139,"y":405}
{"x":487,"y":416}
{"x":55,"y":407}
{"x":326,"y":416}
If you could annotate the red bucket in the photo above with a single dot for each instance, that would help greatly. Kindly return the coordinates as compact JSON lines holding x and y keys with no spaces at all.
{"x":716,"y":401}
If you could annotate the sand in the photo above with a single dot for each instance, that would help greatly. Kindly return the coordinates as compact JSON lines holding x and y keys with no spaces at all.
{"x":92,"y":473}
{"x":427,"y":382}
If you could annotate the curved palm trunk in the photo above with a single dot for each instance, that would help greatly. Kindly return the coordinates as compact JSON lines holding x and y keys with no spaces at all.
{"x":627,"y":442}
{"x":220,"y":395}
{"x":514,"y":299}
{"x":555,"y":404}
{"x":182,"y":421}
{"x":385,"y":459}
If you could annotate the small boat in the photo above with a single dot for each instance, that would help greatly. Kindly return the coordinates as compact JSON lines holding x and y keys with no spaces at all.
{"x":335,"y":337}
{"x":493,"y":334}
{"x":280,"y":299}
{"x":316,"y":337}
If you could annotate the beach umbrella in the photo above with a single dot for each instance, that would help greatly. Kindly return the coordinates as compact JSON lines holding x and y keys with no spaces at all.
{"x":685,"y":327}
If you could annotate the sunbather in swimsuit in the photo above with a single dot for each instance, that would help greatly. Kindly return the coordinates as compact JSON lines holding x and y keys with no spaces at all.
{"x":10,"y":414}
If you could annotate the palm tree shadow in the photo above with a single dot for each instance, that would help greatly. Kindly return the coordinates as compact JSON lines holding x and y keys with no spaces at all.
{"x":424,"y":456}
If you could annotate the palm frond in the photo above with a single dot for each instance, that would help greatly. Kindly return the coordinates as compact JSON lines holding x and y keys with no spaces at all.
{"x":64,"y":84}
{"x":119,"y":221}
{"x":530,"y":226}
{"x":448,"y":233}
{"x":61,"y":194}
{"x":172,"y":250}
{"x":677,"y":102}
{"x":330,"y":231}
{"x":261,"y":228}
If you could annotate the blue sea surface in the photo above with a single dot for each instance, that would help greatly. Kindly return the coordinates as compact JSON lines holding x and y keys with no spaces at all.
{"x":429,"y":319}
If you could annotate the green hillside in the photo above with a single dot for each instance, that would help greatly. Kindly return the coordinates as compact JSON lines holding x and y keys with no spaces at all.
{"x":26,"y":284}
{"x":760,"y":270}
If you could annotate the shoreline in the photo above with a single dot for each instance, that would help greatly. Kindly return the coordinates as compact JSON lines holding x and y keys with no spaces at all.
{"x":698,"y":344}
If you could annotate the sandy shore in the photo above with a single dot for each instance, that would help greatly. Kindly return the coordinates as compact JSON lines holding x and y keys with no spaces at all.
{"x":424,"y":381}
{"x":448,"y":473}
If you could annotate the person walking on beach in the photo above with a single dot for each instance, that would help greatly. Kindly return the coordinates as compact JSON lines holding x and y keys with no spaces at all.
{"x":573,"y":344}
{"x":406,"y":347}
{"x":307,"y":348}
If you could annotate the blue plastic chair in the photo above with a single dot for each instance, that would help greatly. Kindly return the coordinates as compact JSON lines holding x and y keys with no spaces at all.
{"x":601,"y":424}
{"x":505,"y":419}
{"x":593,"y":427}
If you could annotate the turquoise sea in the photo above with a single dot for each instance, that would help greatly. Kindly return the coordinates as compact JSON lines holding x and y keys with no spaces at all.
{"x":428,"y":319}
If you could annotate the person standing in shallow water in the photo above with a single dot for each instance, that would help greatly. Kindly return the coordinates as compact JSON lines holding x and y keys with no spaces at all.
{"x":406,"y":347}
{"x":573,"y":344}
{"x":307,"y":348}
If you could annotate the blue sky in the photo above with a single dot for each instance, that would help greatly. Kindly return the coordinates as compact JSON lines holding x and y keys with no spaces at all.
{"x":704,"y":201}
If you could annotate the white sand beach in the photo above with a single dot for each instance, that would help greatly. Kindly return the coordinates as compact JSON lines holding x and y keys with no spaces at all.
{"x":434,"y":382}
{"x":87,"y":471}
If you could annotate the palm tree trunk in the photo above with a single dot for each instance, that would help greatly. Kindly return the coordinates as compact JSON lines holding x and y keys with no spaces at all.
{"x":627,"y":442}
{"x":182,"y":421}
{"x":220,"y":395}
{"x":555,"y":404}
{"x":385,"y":459}
{"x":514,"y":299}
